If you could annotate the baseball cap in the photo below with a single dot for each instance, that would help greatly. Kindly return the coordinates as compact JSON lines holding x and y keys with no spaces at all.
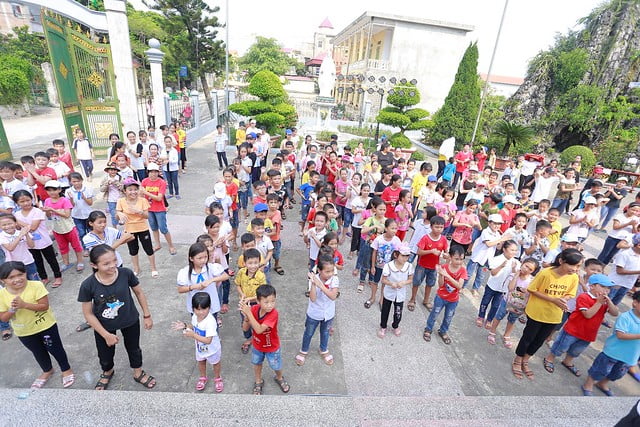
{"x":495,"y":218}
{"x":600,"y":279}
{"x":220,"y":190}
{"x":288,"y":132}
{"x":153,"y":166}
{"x":110,"y":165}
{"x":432,"y":179}
{"x":52,"y":183}
{"x":509,"y":199}
{"x":622,"y":178}
{"x":130,"y":181}
{"x":482,"y":182}
{"x":570,"y":238}
{"x":635,"y":240}
{"x":260,"y":207}
{"x":404,"y":249}
{"x":251,"y":135}
{"x":590,"y":200}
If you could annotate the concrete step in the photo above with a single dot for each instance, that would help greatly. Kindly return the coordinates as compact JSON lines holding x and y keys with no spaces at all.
{"x":82,"y":407}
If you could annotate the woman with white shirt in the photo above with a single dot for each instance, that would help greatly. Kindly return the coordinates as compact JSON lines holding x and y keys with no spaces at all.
{"x":170,"y":165}
{"x":396,"y":275}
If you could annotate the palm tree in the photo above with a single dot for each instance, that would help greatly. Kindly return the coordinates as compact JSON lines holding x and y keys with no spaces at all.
{"x":513,"y":133}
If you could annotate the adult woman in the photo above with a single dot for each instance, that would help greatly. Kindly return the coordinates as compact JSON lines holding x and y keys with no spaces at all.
{"x":548,"y":295}
{"x":107,"y":305}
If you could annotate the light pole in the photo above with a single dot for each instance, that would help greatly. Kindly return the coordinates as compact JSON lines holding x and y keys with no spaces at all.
{"x":226,"y":69}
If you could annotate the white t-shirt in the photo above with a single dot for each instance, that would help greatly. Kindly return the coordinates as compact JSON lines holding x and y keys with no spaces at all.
{"x":208,"y":272}
{"x":207,"y":328}
{"x":221,"y":142}
{"x":137,"y":163}
{"x":629,"y":260}
{"x":393,"y":274}
{"x":420,"y":229}
{"x":110,"y":236}
{"x":323,"y":308}
{"x":226,"y":203}
{"x":83,"y":149}
{"x":621,"y":233}
{"x":500,"y":282}
{"x":12,"y":186}
{"x":359,"y":204}
{"x":581,"y":229}
{"x":264,"y":246}
{"x":81,"y":209}
{"x":20,"y":252}
{"x":314,"y":249}
{"x":542,"y":188}
{"x":481,"y":252}
{"x":61,"y":168}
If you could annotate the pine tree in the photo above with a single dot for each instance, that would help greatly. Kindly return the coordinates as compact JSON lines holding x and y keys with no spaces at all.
{"x":457,"y":115}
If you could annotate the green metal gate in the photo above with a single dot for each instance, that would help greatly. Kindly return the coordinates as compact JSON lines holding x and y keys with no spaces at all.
{"x":84,"y":78}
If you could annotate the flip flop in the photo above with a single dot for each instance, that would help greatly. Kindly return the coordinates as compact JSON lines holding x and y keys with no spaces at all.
{"x":80,"y":267}
{"x":575,"y":371}
{"x":68,"y":380}
{"x":173,"y":251}
{"x":548,"y":366}
{"x":38,"y":383}
{"x":83,"y":327}
{"x":606,"y":391}
{"x":411,"y":306}
{"x":586,"y":392}
{"x":6,"y":335}
{"x":279,"y":270}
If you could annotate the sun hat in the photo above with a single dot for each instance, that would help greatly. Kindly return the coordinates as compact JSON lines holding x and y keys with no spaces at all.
{"x":570,"y":238}
{"x":220,"y":190}
{"x":153,"y":167}
{"x":52,"y":183}
{"x":495,"y":218}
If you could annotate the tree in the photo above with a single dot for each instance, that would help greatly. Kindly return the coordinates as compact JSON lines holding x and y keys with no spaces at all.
{"x":267,"y":54}
{"x":192,"y":25}
{"x":402,"y":116}
{"x":513,"y":134}
{"x":26,"y":45}
{"x":15,"y":75}
{"x":457,"y":115}
{"x":272,"y":110}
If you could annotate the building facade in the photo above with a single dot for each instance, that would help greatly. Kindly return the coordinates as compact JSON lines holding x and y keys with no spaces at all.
{"x":379,"y":45}
{"x":17,"y":14}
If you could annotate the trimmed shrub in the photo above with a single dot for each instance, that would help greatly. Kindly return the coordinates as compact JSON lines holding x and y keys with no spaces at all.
{"x":400,"y":140}
{"x":324,"y":135}
{"x":270,"y":120}
{"x":588,"y":158}
{"x":402,"y":96}
{"x":266,"y":85}
{"x":250,"y":108}
{"x":416,"y":113}
{"x":418,"y":156}
{"x":14,"y":87}
{"x":397,"y":120}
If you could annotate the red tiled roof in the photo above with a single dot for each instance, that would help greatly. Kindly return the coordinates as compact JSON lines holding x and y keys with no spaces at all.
{"x":507,"y":80}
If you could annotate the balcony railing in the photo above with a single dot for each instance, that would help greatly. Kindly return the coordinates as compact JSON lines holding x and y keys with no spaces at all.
{"x":371,"y":64}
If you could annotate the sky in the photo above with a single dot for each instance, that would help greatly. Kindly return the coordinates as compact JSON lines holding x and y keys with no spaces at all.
{"x":529,"y":27}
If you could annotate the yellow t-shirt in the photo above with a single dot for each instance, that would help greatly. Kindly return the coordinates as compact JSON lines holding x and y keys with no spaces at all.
{"x":241,"y":136}
{"x":136,"y":222}
{"x":268,"y":226}
{"x":250,"y":284}
{"x":549,"y":283}
{"x":419,"y":181}
{"x":182,"y":137}
{"x":554,"y":238}
{"x":305,"y":178}
{"x":28,"y":322}
{"x":241,"y":263}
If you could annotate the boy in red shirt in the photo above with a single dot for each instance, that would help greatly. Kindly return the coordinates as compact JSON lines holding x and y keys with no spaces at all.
{"x":429,"y":250}
{"x":262,"y":319}
{"x":582,"y":327}
{"x":508,"y":212}
{"x":63,"y":155}
{"x":391,"y":195}
{"x":273,"y":201}
{"x":39,"y":174}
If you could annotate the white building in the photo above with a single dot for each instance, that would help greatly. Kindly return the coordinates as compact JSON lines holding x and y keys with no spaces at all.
{"x":503,"y":85}
{"x":387,"y":45}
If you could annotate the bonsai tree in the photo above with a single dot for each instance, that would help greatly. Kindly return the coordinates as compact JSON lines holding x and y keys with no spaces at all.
{"x":401,"y":115}
{"x":513,"y":134}
{"x":272,"y":109}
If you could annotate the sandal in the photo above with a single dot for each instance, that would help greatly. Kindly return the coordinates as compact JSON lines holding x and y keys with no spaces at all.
{"x":548,"y":366}
{"x":80,"y":267}
{"x":173,"y":251}
{"x":150,"y":382}
{"x":83,"y":327}
{"x":56,"y":283}
{"x":479,"y":322}
{"x":445,"y":338}
{"x":245,"y":348}
{"x":155,"y":274}
{"x":491,"y":338}
{"x":284,"y":385}
{"x":100,"y":385}
{"x":572,"y":368}
{"x":516,"y":370}
{"x":528,"y":372}
{"x":397,"y":332}
{"x":300,"y":358}
{"x":68,"y":380}
{"x":428,"y":305}
{"x":507,"y":342}
{"x":411,"y":306}
{"x":381,"y":333}
{"x":360,"y":287}
{"x":6,"y":334}
{"x":487,"y":325}
{"x":586,"y":392}
{"x":257,"y":388}
{"x":606,"y":391}
{"x":219,"y":384}
{"x":426,"y":335}
{"x":368,"y":304}
{"x":327,"y":357}
{"x":39,"y":383}
{"x":202,"y":383}
{"x":279,"y":270}
{"x":224,"y":308}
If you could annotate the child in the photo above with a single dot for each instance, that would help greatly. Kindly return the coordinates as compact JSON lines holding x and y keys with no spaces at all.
{"x":16,"y":244}
{"x":538,"y":247}
{"x":449,"y":172}
{"x":451,"y":279}
{"x":483,"y":250}
{"x":396,"y":275}
{"x":153,"y":188}
{"x":429,"y":249}
{"x":122,"y":163}
{"x":621,"y":350}
{"x":315,"y":235}
{"x":305,"y":192}
{"x":232,"y":186}
{"x":205,"y":334}
{"x":247,"y":281}
{"x":537,"y":215}
{"x":358,"y":206}
{"x":133,"y":211}
{"x":582,"y":326}
{"x":39,"y":173}
{"x":371,"y":228}
{"x":518,"y":233}
{"x":321,"y":309}
{"x":111,"y":187}
{"x":263,"y":244}
{"x":99,"y":234}
{"x":170,"y":159}
{"x":514,"y":302}
{"x":81,"y":197}
{"x":221,"y":140}
{"x":276,"y":219}
{"x":502,"y":268}
{"x":403,"y":213}
{"x":220,"y":196}
{"x":260,"y":195}
{"x":213,"y":224}
{"x":9,"y":182}
{"x":25,"y":304}
{"x":421,"y":227}
{"x":381,"y":251}
{"x":34,"y":219}
{"x":464,"y":222}
{"x":332,"y":213}
{"x":84,"y":152}
{"x":583,"y":220}
{"x":556,"y":228}
{"x":262,"y":320}
{"x":391,"y":195}
{"x":446,"y":208}
{"x":58,"y":209}
{"x":61,"y":169}
{"x":343,"y":194}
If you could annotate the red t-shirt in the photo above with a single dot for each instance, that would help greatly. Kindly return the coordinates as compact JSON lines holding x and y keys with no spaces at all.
{"x":66,"y":159}
{"x":447,"y":291}
{"x":232,"y":191}
{"x":331,"y":176}
{"x":462,"y":160}
{"x":390,"y":197}
{"x":581,"y":327}
{"x":430,"y":261}
{"x":258,"y":199}
{"x":268,"y":341}
{"x":507,"y":216}
{"x":40,"y":191}
{"x":155,"y":187}
{"x":276,"y":220}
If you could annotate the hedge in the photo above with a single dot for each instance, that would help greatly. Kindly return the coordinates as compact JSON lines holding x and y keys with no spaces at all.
{"x":588,"y":158}
{"x":399,"y":140}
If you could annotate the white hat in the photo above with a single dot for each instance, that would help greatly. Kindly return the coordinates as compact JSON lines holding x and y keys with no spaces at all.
{"x":570,"y":238}
{"x":509,"y":199}
{"x":153,"y":167}
{"x":495,"y":218}
{"x":481,"y":181}
{"x":220,"y":190}
{"x":622,"y":178}
{"x":590,"y":200}
{"x":52,"y":183}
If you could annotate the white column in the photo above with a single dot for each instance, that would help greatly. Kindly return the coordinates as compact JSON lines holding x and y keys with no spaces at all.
{"x":154,"y":56}
{"x":122,"y":63}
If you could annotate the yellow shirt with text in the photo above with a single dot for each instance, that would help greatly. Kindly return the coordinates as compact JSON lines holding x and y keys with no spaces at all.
{"x":548,"y":282}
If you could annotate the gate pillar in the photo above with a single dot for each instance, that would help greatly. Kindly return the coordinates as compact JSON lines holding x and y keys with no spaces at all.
{"x":154,"y":55}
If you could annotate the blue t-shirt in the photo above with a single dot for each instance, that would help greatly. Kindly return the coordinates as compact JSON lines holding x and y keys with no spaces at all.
{"x":448,"y":172}
{"x":306,"y":190}
{"x":627,"y":351}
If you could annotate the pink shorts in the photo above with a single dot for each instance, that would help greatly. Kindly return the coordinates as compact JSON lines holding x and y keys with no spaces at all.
{"x":70,"y":238}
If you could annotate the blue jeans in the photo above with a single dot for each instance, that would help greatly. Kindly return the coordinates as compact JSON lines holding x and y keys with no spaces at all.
{"x":274,"y":359}
{"x":449,"y":311}
{"x":493,"y":297}
{"x":243,"y":199}
{"x":112,"y":212}
{"x":560,"y":204}
{"x":607,"y":213}
{"x":364,"y":260}
{"x":277,"y":247}
{"x":223,"y":291}
{"x":4,"y":326}
{"x":502,"y":313}
{"x":158,"y":221}
{"x":607,"y":367}
{"x":32,"y":271}
{"x":310,"y":326}
{"x":617,"y":294}
{"x":348,"y":217}
{"x":474,"y":267}
{"x":567,"y":343}
{"x":172,"y":182}
{"x":429,"y":276}
{"x":609,"y":249}
{"x":81,"y":225}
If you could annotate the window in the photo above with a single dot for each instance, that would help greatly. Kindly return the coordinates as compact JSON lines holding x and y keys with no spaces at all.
{"x":319,"y":44}
{"x":17,"y":10}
